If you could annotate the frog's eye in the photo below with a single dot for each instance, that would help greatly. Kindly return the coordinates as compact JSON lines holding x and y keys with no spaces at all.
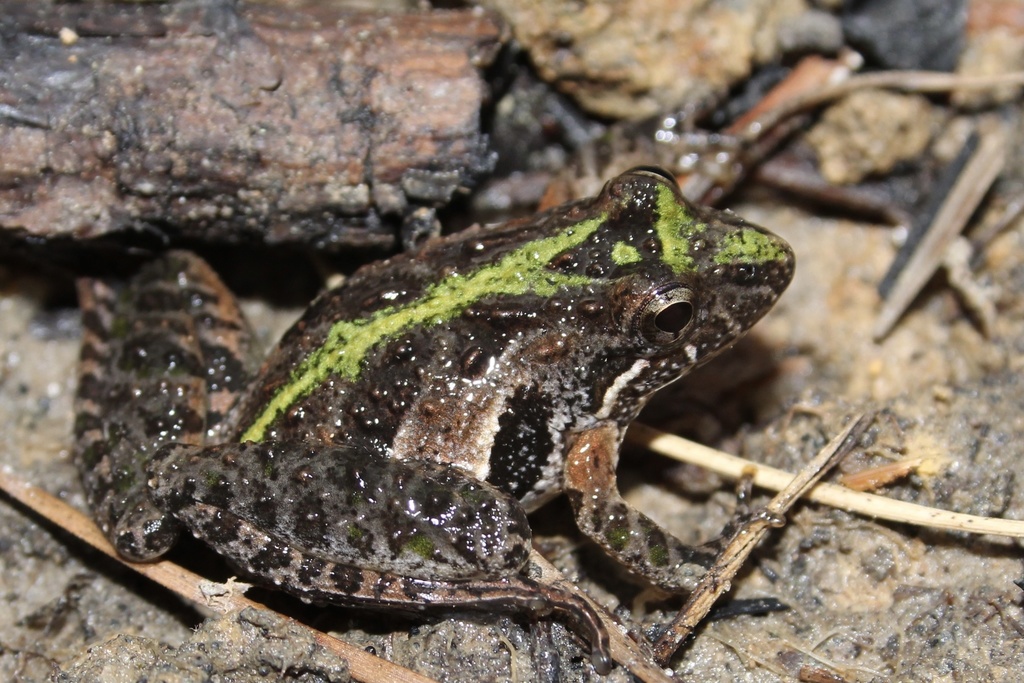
{"x":665,"y":315}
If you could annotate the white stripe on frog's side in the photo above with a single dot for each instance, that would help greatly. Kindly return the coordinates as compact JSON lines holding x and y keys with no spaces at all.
{"x":470,"y":408}
{"x":611,"y":396}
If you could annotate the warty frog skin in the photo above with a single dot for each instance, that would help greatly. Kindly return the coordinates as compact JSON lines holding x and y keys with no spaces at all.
{"x":389,"y":448}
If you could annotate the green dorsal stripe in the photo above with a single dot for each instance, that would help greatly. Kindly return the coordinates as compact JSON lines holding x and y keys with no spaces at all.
{"x":750,"y":246}
{"x":676,"y":227}
{"x":349,"y":341}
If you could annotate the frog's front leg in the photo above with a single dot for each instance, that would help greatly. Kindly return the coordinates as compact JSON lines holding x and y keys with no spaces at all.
{"x":349,"y":525}
{"x":627,"y":534}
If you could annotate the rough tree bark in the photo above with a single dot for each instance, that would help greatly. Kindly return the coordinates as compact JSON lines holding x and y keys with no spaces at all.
{"x":216,"y":121}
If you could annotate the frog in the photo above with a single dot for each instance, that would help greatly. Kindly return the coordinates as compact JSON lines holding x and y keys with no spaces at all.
{"x":387,"y":452}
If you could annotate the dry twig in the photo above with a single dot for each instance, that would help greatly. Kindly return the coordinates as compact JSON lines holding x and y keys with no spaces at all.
{"x":981,"y":170}
{"x":871,"y":505}
{"x":363,"y":665}
{"x":718,"y":578}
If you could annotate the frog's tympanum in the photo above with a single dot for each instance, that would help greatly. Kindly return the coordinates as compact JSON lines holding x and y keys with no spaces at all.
{"x":388,"y":450}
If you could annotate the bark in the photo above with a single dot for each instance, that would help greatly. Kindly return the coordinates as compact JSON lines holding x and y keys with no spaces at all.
{"x":216,"y":121}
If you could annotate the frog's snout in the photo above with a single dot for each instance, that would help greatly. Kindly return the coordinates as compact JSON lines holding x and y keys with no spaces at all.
{"x":752,"y":268}
{"x":778,"y":272}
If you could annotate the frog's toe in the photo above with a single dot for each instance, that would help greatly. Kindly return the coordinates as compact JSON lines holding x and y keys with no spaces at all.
{"x":144,"y":533}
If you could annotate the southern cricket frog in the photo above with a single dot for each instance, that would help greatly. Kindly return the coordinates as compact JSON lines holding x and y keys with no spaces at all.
{"x":387,"y":451}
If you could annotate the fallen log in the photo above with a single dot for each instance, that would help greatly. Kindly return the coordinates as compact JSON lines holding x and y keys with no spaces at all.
{"x":219,"y":121}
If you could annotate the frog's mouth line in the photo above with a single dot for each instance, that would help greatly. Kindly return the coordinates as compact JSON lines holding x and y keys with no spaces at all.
{"x":611,"y":395}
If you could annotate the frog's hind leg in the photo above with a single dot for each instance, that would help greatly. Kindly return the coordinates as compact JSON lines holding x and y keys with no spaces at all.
{"x":344,"y":585}
{"x":348,"y":525}
{"x":321,"y":581}
{"x":157,"y":365}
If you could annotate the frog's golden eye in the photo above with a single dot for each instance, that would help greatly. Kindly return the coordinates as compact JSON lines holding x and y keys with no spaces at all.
{"x":665,"y":315}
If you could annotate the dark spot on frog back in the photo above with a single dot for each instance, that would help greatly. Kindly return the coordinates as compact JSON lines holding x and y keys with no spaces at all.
{"x":346,"y":580}
{"x":275,"y":554}
{"x":566,"y":261}
{"x":311,"y":569}
{"x":505,"y":315}
{"x":591,"y":308}
{"x":167,"y":348}
{"x":474,"y":362}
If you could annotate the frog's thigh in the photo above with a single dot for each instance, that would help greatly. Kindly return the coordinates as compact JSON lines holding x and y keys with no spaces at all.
{"x":342,"y":504}
{"x":627,"y":534}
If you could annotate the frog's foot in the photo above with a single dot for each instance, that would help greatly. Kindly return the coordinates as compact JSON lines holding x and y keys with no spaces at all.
{"x":628,"y":535}
{"x":160,"y":361}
